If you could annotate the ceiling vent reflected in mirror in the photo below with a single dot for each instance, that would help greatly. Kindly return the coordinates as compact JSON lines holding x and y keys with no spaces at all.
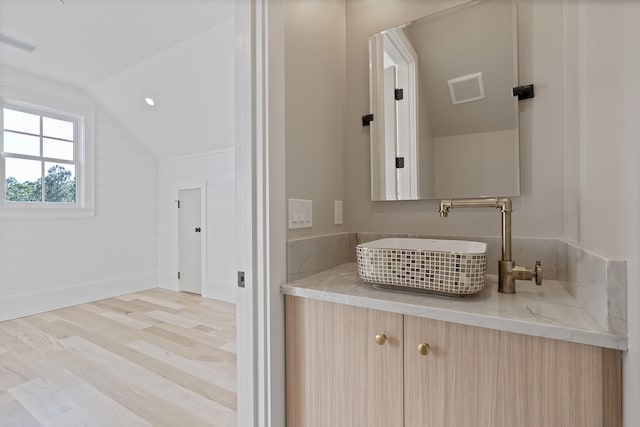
{"x":466,"y":88}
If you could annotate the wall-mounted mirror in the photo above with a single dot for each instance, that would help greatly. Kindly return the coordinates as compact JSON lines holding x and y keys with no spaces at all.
{"x":445,"y":121}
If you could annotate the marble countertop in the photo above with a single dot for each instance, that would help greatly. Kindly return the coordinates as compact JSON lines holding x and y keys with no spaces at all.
{"x":547,"y":311}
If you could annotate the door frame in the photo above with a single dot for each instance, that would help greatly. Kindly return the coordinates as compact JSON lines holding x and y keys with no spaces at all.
{"x":402,"y":52}
{"x":202,"y":186}
{"x":260,"y":210}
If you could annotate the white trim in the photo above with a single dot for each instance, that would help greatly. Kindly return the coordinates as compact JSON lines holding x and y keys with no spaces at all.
{"x":409,"y":57}
{"x":245,"y":123}
{"x":260,"y":211}
{"x":15,"y":306}
{"x":402,"y":52}
{"x":204,"y":256}
{"x":276,"y":231}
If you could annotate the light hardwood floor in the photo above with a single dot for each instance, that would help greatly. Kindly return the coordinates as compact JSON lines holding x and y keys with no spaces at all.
{"x":154,"y":358}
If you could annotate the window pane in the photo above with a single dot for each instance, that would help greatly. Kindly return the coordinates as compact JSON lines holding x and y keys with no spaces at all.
{"x":21,"y":122}
{"x":57,"y":128}
{"x":57,"y":149}
{"x":59,"y":183}
{"x":23,"y":181}
{"x":18,"y":143}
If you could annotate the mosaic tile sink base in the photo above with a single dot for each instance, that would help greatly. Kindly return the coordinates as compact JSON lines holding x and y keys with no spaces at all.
{"x":449,"y":267}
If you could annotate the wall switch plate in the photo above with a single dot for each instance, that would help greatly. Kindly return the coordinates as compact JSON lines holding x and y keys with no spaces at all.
{"x":338,"y":212}
{"x":300,"y":213}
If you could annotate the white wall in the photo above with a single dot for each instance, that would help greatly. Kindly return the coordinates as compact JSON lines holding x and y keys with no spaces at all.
{"x":57,"y":262}
{"x":314,"y":107}
{"x":215,"y":172}
{"x":603,"y":137}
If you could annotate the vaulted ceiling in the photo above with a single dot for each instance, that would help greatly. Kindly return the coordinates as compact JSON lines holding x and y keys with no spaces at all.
{"x":179,"y":52}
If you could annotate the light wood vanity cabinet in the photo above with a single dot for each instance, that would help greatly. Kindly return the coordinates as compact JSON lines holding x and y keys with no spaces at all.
{"x":487,"y":378}
{"x":337,"y":375}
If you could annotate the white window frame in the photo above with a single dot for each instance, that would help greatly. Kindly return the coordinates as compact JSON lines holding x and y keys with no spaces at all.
{"x":84,"y":147}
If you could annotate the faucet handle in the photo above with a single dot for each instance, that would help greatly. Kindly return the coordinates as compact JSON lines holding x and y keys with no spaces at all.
{"x":538,"y":272}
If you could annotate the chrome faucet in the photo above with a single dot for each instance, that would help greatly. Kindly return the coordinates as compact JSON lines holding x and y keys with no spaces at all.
{"x":508,"y":271}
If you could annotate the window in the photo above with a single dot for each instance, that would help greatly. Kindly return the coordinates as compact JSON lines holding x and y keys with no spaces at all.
{"x":39,"y":156}
{"x":44,"y":160}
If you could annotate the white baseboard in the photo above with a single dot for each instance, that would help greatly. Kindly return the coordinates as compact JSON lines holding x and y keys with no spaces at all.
{"x":168,"y":281}
{"x":15,"y":306}
{"x":210,"y":288}
{"x":220,"y":291}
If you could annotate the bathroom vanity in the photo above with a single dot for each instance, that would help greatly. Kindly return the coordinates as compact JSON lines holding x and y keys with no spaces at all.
{"x":360,"y":356}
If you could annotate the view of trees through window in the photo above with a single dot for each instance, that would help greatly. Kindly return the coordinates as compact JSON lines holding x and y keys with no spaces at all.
{"x":59,"y":186}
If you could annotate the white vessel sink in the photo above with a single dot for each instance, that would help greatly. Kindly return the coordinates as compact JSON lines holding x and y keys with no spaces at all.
{"x":450,"y":267}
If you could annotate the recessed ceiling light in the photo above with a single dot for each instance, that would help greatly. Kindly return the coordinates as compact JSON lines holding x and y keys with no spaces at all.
{"x":150,"y":101}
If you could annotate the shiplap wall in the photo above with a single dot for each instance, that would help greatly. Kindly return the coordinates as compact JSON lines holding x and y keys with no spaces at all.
{"x":214,"y":172}
{"x":48,"y":263}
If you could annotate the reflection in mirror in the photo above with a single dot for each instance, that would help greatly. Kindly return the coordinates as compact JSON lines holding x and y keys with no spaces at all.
{"x":445,"y":121}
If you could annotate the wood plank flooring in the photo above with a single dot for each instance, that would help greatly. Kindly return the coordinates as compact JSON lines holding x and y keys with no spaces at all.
{"x":153,"y":358}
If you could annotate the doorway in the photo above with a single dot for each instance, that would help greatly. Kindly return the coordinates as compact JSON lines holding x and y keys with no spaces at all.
{"x":190,"y":240}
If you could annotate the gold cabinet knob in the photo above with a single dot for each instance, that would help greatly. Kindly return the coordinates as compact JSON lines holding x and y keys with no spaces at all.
{"x":381,"y":339}
{"x":424,"y":349}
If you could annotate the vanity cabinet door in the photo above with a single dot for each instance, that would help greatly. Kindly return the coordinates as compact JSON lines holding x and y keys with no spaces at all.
{"x":485,"y":378}
{"x":336,"y":373}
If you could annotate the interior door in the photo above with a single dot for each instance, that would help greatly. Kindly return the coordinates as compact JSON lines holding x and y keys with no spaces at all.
{"x":190,"y":241}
